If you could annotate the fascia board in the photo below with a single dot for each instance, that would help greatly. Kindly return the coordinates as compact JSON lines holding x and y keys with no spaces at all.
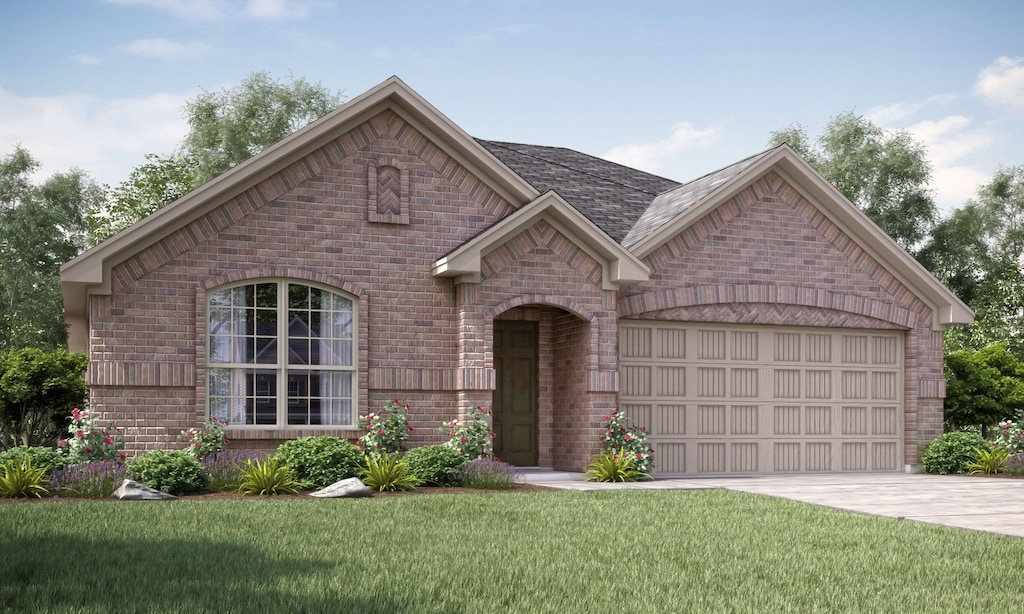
{"x":621,"y":267}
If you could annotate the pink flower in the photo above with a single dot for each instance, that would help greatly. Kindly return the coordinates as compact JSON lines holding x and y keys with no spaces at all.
{"x":61,"y":443}
{"x":74,"y":413}
{"x":79,"y":433}
{"x":196,"y":444}
{"x":629,"y":436}
{"x":380,"y":431}
{"x":463,"y":438}
{"x":88,"y":450}
{"x":108,"y":441}
{"x":1020,"y":435}
{"x":493,"y":435}
{"x":410,"y":428}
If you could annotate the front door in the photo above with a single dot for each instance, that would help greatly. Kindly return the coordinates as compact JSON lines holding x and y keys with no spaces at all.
{"x":515,"y":395}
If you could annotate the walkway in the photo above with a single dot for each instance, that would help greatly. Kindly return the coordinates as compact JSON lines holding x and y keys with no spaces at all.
{"x":994,"y":505}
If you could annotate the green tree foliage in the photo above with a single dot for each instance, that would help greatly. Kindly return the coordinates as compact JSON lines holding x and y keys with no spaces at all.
{"x":884,"y":173}
{"x":978,"y":251}
{"x":983,"y":387}
{"x":225,"y":128}
{"x":231,"y":126}
{"x":41,"y":227}
{"x":38,"y":390}
{"x":161,"y":180}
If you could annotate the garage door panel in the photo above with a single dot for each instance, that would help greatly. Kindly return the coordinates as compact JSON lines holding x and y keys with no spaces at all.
{"x":721,"y":399}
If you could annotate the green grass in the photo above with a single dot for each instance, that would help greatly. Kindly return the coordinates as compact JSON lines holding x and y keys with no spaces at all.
{"x":640,"y":551}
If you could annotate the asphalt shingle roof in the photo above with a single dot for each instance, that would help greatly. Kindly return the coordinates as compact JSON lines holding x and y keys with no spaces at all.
{"x":669,"y":204}
{"x":612,"y":196}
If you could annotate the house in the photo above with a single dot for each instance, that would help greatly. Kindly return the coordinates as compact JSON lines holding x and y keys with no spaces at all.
{"x":753,"y":320}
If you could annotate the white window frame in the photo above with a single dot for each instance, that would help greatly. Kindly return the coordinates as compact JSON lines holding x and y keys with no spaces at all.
{"x":281,"y":366}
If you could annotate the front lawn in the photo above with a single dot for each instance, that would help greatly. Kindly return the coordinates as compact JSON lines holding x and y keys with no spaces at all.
{"x":636,"y":551}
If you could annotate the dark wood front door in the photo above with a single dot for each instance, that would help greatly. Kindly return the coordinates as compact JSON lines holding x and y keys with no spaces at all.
{"x":515,"y":396}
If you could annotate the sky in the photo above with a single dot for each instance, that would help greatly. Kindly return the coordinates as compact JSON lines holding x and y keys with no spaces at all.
{"x":676,"y":88}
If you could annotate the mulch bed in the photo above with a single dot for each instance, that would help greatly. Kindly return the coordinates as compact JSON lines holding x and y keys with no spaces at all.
{"x":423,"y":490}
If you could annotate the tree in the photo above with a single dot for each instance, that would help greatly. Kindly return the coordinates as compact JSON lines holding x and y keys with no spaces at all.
{"x":41,"y":227}
{"x":884,"y":173}
{"x":983,"y":387}
{"x":978,"y":251}
{"x":158,"y":182}
{"x":225,"y":128}
{"x":38,"y":390}
{"x":229,"y":127}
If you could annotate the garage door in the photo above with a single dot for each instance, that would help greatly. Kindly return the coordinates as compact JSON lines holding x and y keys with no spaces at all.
{"x":751,"y":399}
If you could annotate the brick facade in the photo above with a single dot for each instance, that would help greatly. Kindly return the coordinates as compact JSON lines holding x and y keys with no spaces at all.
{"x":369,"y":212}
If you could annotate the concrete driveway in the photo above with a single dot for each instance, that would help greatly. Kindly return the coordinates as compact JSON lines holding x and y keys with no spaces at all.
{"x":994,"y":505}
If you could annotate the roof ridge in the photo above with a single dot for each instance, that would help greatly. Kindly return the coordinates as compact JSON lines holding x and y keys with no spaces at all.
{"x":503,"y":144}
{"x":719,"y":170}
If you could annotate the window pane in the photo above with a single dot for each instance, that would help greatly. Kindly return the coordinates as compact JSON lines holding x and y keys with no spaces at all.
{"x":319,"y":397}
{"x":220,"y":349}
{"x":298,"y":297}
{"x":341,"y":353}
{"x":266,"y":350}
{"x":341,"y":325}
{"x":315,"y":298}
{"x":220,"y":298}
{"x":266,"y":296}
{"x":220,"y":320}
{"x":220,"y":382}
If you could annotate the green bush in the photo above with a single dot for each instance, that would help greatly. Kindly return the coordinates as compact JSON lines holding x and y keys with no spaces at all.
{"x":321,"y":461}
{"x":988,"y":460}
{"x":174,"y":472}
{"x":37,"y":392}
{"x":47,"y":459}
{"x":436,"y":465}
{"x":268,"y":477}
{"x":952,"y":452}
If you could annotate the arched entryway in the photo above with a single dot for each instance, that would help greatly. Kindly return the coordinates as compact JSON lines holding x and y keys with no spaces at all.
{"x":541,"y":356}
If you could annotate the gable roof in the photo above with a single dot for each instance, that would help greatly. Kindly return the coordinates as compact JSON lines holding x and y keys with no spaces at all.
{"x":677,"y":211}
{"x":620,"y":267}
{"x":612,"y":196}
{"x":90,"y":271}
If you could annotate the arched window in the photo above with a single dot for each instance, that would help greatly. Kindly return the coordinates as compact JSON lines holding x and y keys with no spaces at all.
{"x":281,"y":354}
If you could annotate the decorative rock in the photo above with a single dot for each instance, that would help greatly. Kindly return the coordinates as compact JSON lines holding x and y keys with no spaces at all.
{"x":131,"y":490}
{"x":350,"y":487}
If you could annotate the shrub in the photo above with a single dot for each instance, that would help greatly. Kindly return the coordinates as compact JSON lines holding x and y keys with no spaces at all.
{"x":21,"y":479}
{"x":97,"y":480}
{"x":1010,"y":435}
{"x":209,"y":439}
{"x":321,"y":461}
{"x":388,"y":473}
{"x":613,"y":466}
{"x":37,"y":390}
{"x":174,"y":472}
{"x":952,"y":452}
{"x":90,"y":442}
{"x":484,"y":473}
{"x":386,"y":432}
{"x":472,"y":437}
{"x":988,"y":460}
{"x":268,"y":477}
{"x":45,"y":458}
{"x":436,"y":465}
{"x":631,"y":439}
{"x":225,"y":468}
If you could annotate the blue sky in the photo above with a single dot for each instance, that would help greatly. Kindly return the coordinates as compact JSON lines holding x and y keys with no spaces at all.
{"x":676,"y":88}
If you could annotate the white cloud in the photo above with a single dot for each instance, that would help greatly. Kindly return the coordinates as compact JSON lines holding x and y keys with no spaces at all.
{"x":955,"y":185}
{"x":1002,"y":82}
{"x":896,"y":112}
{"x":85,"y":59}
{"x":951,"y":138}
{"x":106,"y":138}
{"x":224,"y":10}
{"x":651,"y":157}
{"x":163,"y":49}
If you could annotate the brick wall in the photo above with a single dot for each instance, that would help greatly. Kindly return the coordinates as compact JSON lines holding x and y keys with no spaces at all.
{"x":769,"y":257}
{"x":310,"y":222}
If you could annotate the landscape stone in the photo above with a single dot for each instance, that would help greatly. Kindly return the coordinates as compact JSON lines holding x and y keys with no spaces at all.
{"x":131,"y":490}
{"x":349,"y":487}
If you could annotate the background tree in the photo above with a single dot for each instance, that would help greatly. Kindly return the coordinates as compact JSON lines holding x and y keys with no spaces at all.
{"x":225,"y":128}
{"x":41,"y":227}
{"x":884,"y":173}
{"x":38,"y":390}
{"x":231,"y":126}
{"x":161,"y":180}
{"x":983,"y":387}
